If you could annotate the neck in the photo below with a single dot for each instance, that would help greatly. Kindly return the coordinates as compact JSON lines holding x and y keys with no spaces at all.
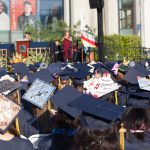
{"x":6,"y":136}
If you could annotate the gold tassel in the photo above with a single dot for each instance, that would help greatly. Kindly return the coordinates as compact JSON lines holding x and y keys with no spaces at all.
{"x":18,"y":78}
{"x":122,"y":131}
{"x":70,"y":82}
{"x":59,"y":84}
{"x":116,"y":97}
{"x":17,"y":126}
{"x":17,"y":121}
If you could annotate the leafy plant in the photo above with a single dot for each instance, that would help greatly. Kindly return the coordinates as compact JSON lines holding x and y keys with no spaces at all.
{"x":37,"y":57}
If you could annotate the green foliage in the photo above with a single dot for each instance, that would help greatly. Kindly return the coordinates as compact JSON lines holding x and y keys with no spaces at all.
{"x":3,"y":62}
{"x":37,"y":57}
{"x":119,"y":46}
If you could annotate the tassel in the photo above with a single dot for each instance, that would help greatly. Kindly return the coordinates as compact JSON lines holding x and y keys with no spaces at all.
{"x":122,"y":131}
{"x":59,"y":84}
{"x":17,"y":121}
{"x":70,"y":82}
{"x":17,"y":126}
{"x":116,"y":97}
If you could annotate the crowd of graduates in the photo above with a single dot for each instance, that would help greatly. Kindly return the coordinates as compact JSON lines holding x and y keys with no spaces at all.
{"x":74,"y":117}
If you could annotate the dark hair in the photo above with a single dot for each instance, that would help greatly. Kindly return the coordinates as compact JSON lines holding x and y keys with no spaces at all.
{"x":63,"y":141}
{"x":26,"y":3}
{"x":5,"y":8}
{"x":133,"y":119}
{"x":88,"y":139}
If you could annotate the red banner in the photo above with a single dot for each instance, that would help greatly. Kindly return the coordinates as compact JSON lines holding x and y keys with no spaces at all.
{"x":21,"y":13}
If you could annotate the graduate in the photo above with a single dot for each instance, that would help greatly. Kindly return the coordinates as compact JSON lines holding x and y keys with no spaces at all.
{"x":99,"y":121}
{"x":9,"y":139}
{"x":65,"y":123}
{"x":137,"y":124}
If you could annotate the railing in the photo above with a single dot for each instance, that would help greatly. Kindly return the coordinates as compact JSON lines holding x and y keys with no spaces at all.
{"x":3,"y":57}
{"x":130,"y":53}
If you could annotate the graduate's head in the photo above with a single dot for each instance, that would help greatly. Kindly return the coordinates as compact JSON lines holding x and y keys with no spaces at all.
{"x":98,"y":73}
{"x":136,"y":118}
{"x":87,"y":139}
{"x":2,"y":7}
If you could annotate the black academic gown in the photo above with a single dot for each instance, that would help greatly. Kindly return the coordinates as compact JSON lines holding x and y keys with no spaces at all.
{"x":16,"y":144}
{"x":52,"y":143}
{"x":26,"y":127}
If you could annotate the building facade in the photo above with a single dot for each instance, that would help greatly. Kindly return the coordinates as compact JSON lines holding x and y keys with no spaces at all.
{"x":120,"y":16}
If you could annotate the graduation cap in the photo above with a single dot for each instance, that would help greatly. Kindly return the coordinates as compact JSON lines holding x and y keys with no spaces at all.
{"x":8,"y":112}
{"x":123,"y":68}
{"x":80,"y":74}
{"x":131,"y":76}
{"x":39,"y":93}
{"x":42,"y":74}
{"x":20,"y":68}
{"x":81,"y":66}
{"x":7,"y":86}
{"x":54,"y":69}
{"x":142,"y":69}
{"x":3,"y":72}
{"x":63,"y":97}
{"x":98,"y":108}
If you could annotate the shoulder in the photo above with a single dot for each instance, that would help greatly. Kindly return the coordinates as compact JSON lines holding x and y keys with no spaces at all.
{"x":25,"y":144}
{"x":45,"y":144}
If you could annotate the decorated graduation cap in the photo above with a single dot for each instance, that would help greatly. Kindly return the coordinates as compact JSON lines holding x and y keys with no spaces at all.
{"x":39,"y":93}
{"x":98,"y":108}
{"x":63,"y":97}
{"x":42,"y":74}
{"x":144,"y":83}
{"x":20,"y":68}
{"x":100,"y":87}
{"x":8,"y":112}
{"x":3,"y":72}
{"x":7,"y":86}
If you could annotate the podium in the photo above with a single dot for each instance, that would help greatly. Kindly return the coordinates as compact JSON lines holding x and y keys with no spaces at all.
{"x":22,"y":47}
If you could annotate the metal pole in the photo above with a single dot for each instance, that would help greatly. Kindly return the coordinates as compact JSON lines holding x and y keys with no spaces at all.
{"x":100,"y":34}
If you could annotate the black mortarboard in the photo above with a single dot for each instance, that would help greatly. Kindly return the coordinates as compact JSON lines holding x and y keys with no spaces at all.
{"x":42,"y":74}
{"x":131,"y":76}
{"x":63,"y":97}
{"x":110,"y":64}
{"x":65,"y":77}
{"x":7,"y":86}
{"x":123,"y":68}
{"x":82,"y":66}
{"x":80,"y":74}
{"x":3,"y":72}
{"x":20,"y":68}
{"x":8,"y":112}
{"x":98,"y":108}
{"x":54,"y":69}
{"x":142,"y":69}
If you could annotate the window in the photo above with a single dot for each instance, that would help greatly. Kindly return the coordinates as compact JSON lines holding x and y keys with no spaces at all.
{"x":50,"y":10}
{"x":126,"y":16}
